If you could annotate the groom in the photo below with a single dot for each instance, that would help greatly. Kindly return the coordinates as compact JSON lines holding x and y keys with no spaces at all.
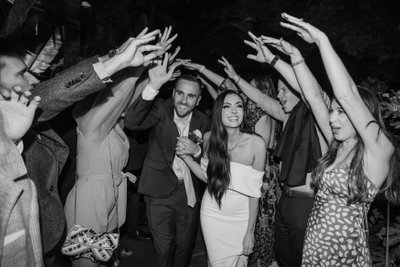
{"x":170,"y":191}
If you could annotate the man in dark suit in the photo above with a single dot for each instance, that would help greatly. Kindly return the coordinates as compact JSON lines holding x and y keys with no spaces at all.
{"x":171,"y":192}
{"x":44,"y":151}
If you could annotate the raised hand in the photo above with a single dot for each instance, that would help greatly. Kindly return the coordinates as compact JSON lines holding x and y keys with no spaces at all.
{"x":281,"y":45}
{"x":191,"y":65}
{"x":165,"y":42}
{"x":132,"y":52}
{"x":175,"y":75}
{"x":264,"y":55}
{"x":228,"y":68}
{"x":303,"y":29}
{"x":173,"y":56}
{"x":160,"y":73}
{"x":18,"y":113}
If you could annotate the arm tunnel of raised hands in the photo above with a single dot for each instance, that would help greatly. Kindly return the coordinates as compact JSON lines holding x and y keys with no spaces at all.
{"x":378,"y":147}
{"x":135,"y":72}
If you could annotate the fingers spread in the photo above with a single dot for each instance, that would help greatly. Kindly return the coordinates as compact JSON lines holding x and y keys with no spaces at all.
{"x":5,"y":93}
{"x":177,"y":49}
{"x":15,"y":93}
{"x":150,"y":35}
{"x":252,"y":57}
{"x":34,"y":103}
{"x":24,"y":97}
{"x":143,"y":32}
{"x":251,"y":44}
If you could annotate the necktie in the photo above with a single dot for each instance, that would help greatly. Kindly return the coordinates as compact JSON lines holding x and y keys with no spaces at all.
{"x":183,"y":172}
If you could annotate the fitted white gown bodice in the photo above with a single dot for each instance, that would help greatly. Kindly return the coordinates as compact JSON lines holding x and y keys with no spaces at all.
{"x":224,"y":228}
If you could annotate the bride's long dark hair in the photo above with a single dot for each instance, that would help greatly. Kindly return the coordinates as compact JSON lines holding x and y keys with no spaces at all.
{"x":218,"y":170}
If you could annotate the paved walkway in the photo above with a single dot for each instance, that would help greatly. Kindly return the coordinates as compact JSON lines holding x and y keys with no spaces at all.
{"x":143,"y":255}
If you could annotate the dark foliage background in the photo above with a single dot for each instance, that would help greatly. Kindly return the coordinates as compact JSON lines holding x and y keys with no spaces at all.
{"x":365,"y":33}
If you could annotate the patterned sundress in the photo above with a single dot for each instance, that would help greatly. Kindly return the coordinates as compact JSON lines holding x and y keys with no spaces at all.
{"x":335,"y":233}
{"x":264,"y":233}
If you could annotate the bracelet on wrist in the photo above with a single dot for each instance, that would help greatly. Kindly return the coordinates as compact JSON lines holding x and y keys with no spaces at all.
{"x":298,"y":62}
{"x":202,"y":68}
{"x":238,"y":80}
{"x":274,"y":60}
{"x":112,"y":53}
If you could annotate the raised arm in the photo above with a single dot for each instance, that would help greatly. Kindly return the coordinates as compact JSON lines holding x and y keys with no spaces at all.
{"x":210,"y":89}
{"x":264,"y":55}
{"x":378,"y":146}
{"x":107,"y":108}
{"x":142,"y":114}
{"x":309,"y":86}
{"x":268,"y":104}
{"x":213,"y":77}
{"x":83,"y":79}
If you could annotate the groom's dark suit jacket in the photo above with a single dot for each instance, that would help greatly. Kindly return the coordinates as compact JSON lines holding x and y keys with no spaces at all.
{"x":158,"y":179}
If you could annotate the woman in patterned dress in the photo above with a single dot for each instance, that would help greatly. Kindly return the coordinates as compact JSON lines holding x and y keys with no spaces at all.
{"x":360,"y":159}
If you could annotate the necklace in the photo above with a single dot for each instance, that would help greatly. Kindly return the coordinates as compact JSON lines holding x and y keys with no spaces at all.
{"x":236,"y":144}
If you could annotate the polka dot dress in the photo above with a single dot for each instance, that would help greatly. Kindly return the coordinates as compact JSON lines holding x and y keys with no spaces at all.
{"x":335,"y":232}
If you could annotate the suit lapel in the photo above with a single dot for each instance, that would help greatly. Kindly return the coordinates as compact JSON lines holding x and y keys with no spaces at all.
{"x":195,"y":123}
{"x":168,"y":136}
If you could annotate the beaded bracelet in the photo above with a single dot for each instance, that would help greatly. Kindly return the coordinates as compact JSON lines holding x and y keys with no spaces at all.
{"x":238,"y":80}
{"x":298,"y":62}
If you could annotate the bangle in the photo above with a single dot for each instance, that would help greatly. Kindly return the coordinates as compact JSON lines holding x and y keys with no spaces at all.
{"x":298,"y":62}
{"x":202,"y":68}
{"x":274,"y":60}
{"x":238,"y":80}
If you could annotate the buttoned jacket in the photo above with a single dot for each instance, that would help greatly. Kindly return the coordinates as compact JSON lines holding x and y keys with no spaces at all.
{"x":20,"y":242}
{"x":158,"y":178}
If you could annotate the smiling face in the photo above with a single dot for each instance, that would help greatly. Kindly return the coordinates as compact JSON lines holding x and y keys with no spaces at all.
{"x":342,"y":127}
{"x":286,"y":97}
{"x":186,"y":96}
{"x":232,"y":111}
{"x":15,"y":74}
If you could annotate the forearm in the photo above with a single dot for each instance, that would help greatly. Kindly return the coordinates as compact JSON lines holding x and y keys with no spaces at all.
{"x":212,"y":76}
{"x":213,"y":93}
{"x":60,"y":92}
{"x":107,"y":109}
{"x":268,"y":104}
{"x":287,"y":73}
{"x":195,"y":168}
{"x":340,"y":79}
{"x":142,"y":114}
{"x":253,"y":211}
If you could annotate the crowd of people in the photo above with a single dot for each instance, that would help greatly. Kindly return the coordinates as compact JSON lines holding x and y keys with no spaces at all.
{"x":281,"y":174}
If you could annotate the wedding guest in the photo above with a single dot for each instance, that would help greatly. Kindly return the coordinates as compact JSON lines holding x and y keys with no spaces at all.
{"x":298,"y":149}
{"x":44,"y":151}
{"x":20,"y":242}
{"x":360,"y":162}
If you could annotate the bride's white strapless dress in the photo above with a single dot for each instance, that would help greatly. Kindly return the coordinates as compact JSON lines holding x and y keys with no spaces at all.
{"x":224,"y":228}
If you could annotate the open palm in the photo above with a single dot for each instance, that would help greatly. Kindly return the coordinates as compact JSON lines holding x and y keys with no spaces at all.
{"x":18,"y":116}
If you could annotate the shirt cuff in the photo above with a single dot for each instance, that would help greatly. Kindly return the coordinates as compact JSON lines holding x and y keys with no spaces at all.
{"x":149,"y":93}
{"x":198,"y":153}
{"x":101,"y":72}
